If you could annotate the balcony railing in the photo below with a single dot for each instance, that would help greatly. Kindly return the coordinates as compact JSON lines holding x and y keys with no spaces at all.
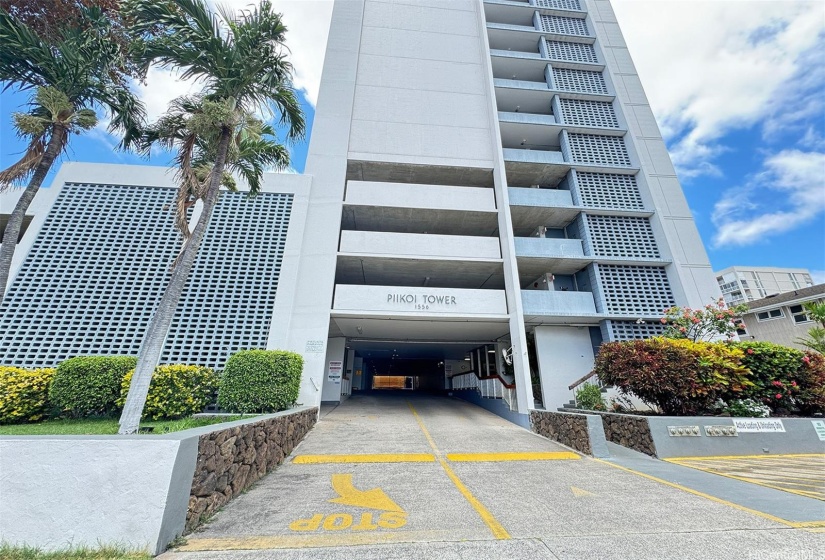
{"x":532,"y":156}
{"x":520,"y":196}
{"x":525,"y":118}
{"x":554,"y":248}
{"x":545,"y":302}
{"x":458,"y":247}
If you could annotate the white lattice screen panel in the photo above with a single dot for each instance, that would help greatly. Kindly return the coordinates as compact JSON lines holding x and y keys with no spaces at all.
{"x":563,"y":25}
{"x":588,"y":113}
{"x":99,"y":266}
{"x":571,"y":52}
{"x":581,"y":81}
{"x":607,"y":190}
{"x":622,"y":236}
{"x":559,"y":4}
{"x":630,"y":330}
{"x":228,"y":304}
{"x":598,"y":150}
{"x":635,"y":290}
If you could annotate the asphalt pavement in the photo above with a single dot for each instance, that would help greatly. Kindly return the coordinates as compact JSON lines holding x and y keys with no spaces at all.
{"x":401,"y":475}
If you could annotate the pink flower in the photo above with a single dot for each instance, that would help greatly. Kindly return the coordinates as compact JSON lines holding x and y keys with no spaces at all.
{"x":663,"y":320}
{"x":778,"y":395}
{"x":682,"y":329}
{"x":777,"y":383}
{"x":793,"y":383}
{"x":806,"y":359}
{"x":750,"y":350}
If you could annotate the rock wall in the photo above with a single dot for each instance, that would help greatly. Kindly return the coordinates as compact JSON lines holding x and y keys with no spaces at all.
{"x":629,"y":431}
{"x":233,"y":459}
{"x":565,"y":428}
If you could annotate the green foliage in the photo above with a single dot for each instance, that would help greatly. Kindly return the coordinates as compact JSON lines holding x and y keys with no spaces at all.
{"x":10,"y":552}
{"x":748,"y":408}
{"x":24,"y":394}
{"x":589,"y":397}
{"x":88,"y":385}
{"x":816,"y":335}
{"x":260,"y":381}
{"x":176,"y":391}
{"x":775,"y":370}
{"x":676,"y":376}
{"x":811,"y":381}
{"x":103,"y":426}
{"x":713,"y":321}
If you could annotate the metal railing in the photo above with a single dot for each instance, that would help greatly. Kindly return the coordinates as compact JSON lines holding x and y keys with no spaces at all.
{"x":490,"y":387}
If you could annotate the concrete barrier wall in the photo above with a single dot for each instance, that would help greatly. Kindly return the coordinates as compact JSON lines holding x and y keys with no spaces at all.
{"x":652,"y":435}
{"x":582,"y":432}
{"x":64,"y":491}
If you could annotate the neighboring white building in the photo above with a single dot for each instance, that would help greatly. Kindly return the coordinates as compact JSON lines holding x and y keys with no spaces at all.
{"x":781,"y":318}
{"x":478,"y":172}
{"x":741,"y":284}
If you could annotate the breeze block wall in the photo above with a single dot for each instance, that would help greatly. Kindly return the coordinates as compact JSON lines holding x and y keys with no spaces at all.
{"x":233,"y":459}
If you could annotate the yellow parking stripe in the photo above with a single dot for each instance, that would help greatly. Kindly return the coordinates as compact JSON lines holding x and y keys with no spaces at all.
{"x":496,"y":528}
{"x":796,"y":524}
{"x":366,"y":458}
{"x":796,"y":474}
{"x":498,"y":457}
{"x":737,"y":457}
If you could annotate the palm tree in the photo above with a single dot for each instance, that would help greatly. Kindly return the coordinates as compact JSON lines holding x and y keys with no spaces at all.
{"x":241,"y":60}
{"x":68,"y":76}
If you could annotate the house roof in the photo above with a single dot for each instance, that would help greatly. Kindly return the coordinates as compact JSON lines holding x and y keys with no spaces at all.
{"x":797,"y":296}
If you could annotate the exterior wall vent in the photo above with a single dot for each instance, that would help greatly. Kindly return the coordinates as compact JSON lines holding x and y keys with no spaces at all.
{"x":563,"y":25}
{"x":580,"y":81}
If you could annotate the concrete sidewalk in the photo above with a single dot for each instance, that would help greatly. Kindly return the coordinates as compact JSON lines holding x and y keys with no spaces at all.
{"x":407,"y":476}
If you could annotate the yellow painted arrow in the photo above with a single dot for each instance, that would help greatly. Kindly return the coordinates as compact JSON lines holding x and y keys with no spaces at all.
{"x":351,"y":496}
{"x":579,"y":493}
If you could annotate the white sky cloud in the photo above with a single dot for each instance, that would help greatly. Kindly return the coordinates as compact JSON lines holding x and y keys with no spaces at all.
{"x":709,"y":67}
{"x":787,"y":192}
{"x":818,"y":276}
{"x":307,"y":24}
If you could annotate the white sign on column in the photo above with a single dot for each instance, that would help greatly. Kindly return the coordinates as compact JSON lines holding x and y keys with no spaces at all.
{"x":336,"y":368}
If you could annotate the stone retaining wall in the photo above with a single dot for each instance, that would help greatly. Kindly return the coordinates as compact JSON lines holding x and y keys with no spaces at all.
{"x":233,"y":459}
{"x":581,"y":432}
{"x":627,"y":430}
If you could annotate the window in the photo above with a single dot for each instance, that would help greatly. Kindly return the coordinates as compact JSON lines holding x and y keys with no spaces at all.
{"x":799,"y":315}
{"x":740,"y":327}
{"x":768,"y":315}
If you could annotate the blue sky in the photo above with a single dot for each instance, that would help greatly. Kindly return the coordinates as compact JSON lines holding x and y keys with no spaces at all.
{"x":738,"y":89}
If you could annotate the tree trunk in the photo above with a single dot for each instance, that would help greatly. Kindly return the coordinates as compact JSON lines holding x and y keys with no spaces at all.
{"x":12,"y":231}
{"x":155,"y":337}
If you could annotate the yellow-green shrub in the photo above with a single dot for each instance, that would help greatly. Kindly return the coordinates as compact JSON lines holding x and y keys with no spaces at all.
{"x":24,"y":394}
{"x":679,"y":377}
{"x":176,"y":391}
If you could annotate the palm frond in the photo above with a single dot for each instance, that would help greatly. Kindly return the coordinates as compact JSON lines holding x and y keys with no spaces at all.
{"x":26,"y":165}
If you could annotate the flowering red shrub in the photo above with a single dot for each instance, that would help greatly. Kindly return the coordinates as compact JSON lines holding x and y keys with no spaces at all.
{"x":811,"y":380}
{"x":677,"y":376}
{"x":775,"y":370}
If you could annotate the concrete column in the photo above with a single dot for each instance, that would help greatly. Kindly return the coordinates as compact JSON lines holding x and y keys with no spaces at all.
{"x":518,"y":339}
{"x":336,"y":353}
{"x":565,"y":354}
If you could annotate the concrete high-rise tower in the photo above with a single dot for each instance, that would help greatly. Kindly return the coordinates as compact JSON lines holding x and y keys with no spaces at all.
{"x":486,"y":188}
{"x":484,"y":172}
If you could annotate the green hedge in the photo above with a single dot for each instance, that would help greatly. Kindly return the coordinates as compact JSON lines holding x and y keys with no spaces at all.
{"x":24,"y":394}
{"x":176,"y":391}
{"x":684,"y":378}
{"x":260,"y":381}
{"x":677,"y":376}
{"x":89,"y":385}
{"x":775,"y":370}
